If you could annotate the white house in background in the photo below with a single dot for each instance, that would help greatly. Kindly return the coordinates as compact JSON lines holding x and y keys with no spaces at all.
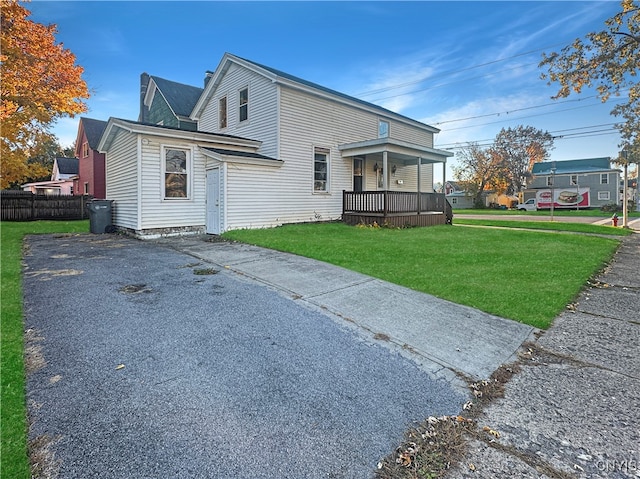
{"x":269,"y":149}
{"x":65,"y":171}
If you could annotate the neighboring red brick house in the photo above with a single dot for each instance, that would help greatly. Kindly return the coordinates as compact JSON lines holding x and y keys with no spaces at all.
{"x":91,"y":170}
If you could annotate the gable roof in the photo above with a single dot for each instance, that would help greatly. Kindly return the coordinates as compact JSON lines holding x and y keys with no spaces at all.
{"x":93,"y":130}
{"x":180,"y":97}
{"x":278,"y":76}
{"x":67,"y":166}
{"x":564,"y":167}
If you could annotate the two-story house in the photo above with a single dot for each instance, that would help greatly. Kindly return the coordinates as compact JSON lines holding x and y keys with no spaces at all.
{"x":590,"y":182}
{"x":269,"y":149}
{"x":91,"y":162}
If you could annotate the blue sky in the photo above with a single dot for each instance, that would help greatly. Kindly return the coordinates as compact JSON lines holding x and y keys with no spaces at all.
{"x":468,"y":68}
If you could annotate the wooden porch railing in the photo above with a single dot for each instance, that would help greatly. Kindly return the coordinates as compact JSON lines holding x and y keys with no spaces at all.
{"x":394,"y":203}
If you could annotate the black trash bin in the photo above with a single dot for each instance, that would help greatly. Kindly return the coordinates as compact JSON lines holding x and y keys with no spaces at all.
{"x":100,"y":215}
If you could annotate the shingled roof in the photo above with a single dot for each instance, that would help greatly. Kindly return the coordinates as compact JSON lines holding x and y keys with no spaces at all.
{"x":93,"y":130}
{"x":181,"y":98}
{"x":67,"y":166}
{"x":587,"y":165}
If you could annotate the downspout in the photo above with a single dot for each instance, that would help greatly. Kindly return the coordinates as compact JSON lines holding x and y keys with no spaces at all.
{"x":139,"y":184}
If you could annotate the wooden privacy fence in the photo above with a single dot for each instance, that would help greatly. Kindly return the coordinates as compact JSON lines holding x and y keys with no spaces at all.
{"x":26,"y":206}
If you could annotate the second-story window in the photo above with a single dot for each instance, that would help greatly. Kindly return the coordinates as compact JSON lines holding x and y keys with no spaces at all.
{"x":222,"y":112}
{"x":574,"y":179}
{"x":383,"y":129}
{"x":604,"y":179}
{"x":243,"y":113}
{"x":85,"y":149}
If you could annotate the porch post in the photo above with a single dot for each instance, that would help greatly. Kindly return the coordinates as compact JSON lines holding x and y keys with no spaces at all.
{"x":444,"y":181}
{"x":419,"y":182}
{"x":385,"y":171}
{"x":444,"y":175}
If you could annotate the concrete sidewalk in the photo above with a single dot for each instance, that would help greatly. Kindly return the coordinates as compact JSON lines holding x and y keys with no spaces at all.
{"x":573,"y":410}
{"x":446,"y":338}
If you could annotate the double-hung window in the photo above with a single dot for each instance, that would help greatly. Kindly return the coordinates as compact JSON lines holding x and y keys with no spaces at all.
{"x":383,"y":129}
{"x":321,"y":170}
{"x":222,"y":112}
{"x":604,"y":179}
{"x":176,"y":173}
{"x":243,"y":112}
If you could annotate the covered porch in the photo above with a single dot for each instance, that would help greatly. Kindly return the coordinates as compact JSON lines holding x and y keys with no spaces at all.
{"x":393,"y":184}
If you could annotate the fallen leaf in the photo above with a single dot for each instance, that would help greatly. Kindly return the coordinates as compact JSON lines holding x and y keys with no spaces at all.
{"x":119,"y":366}
{"x":472,"y":467}
{"x":490,"y":431}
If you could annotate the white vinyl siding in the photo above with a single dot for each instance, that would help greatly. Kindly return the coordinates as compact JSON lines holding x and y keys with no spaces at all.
{"x":158,"y":212}
{"x":262,"y":196}
{"x":263,"y":103}
{"x":121,"y":167}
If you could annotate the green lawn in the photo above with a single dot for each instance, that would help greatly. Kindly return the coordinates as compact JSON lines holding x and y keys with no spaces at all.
{"x":556,"y":212}
{"x":546,"y":225}
{"x":523,"y":275}
{"x":15,"y":463}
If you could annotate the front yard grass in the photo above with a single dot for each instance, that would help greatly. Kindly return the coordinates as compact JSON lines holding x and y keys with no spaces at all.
{"x":13,"y":443}
{"x":546,"y":225}
{"x":527,"y":276}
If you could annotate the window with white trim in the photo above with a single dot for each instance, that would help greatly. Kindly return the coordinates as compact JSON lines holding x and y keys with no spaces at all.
{"x":243,"y":104}
{"x":222,"y":112}
{"x":383,"y":129}
{"x":176,"y":173}
{"x":604,"y":178}
{"x":604,"y":195}
{"x":85,"y":149}
{"x":574,"y":179}
{"x":549,"y":180}
{"x":320,"y":170}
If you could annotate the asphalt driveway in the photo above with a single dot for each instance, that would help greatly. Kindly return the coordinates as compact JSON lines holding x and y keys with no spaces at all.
{"x":147,"y":363}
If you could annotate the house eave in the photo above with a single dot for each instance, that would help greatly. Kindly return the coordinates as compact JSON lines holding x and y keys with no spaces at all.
{"x":399,"y":148}
{"x":238,"y":158}
{"x":188,"y":135}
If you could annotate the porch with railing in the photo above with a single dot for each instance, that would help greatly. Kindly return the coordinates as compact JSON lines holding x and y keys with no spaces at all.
{"x":395,"y":208}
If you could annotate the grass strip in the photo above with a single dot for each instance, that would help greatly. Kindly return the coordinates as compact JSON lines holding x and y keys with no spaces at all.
{"x":547,"y":225}
{"x":556,"y":212}
{"x":523,"y":275}
{"x":13,"y":414}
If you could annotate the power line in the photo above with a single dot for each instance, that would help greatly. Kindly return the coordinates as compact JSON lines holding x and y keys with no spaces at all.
{"x":446,"y":145}
{"x":512,"y":111}
{"x":568,"y":136}
{"x":524,"y":117}
{"x":454,"y":72}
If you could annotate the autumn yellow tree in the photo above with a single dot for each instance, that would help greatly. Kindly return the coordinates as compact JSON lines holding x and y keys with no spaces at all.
{"x":608,"y":60}
{"x":40,"y":83}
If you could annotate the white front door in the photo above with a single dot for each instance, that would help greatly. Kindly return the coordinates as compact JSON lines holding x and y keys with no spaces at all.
{"x":213,"y":201}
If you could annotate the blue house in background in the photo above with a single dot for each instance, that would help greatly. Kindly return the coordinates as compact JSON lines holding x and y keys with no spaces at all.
{"x":592,"y":176}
